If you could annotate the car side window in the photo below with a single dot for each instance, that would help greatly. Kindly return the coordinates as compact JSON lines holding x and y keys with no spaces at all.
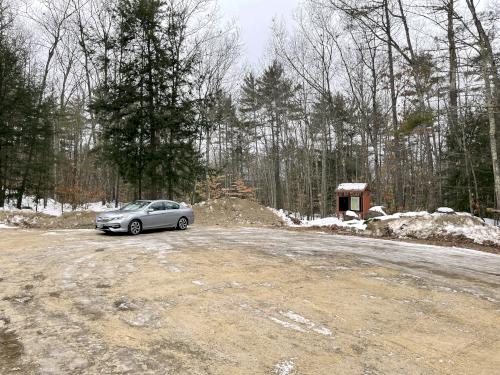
{"x":172,"y":206}
{"x":157,"y":206}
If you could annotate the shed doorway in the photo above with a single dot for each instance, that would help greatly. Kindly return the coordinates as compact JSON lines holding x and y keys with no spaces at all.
{"x":343,"y":203}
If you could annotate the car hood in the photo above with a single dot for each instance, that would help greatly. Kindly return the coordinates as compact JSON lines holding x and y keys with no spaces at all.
{"x":116,"y":213}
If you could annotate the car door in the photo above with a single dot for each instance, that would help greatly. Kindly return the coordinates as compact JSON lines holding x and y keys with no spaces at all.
{"x":155,"y":215}
{"x":173,"y":213}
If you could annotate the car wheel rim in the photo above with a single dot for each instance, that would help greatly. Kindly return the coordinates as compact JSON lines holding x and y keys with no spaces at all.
{"x":135,"y":228}
{"x":182,"y":224}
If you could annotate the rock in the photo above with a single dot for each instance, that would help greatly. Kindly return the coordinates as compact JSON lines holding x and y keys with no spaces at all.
{"x":379,"y":209}
{"x":124,"y":305}
{"x":350,"y":215}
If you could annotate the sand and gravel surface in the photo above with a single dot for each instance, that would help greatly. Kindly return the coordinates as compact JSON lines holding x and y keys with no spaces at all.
{"x":213,"y":300}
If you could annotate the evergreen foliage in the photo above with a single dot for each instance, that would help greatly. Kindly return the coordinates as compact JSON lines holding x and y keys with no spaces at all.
{"x":146,"y":111}
{"x":26,"y":121}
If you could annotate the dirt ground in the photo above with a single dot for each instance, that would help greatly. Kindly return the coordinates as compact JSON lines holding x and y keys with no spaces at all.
{"x":214,"y":300}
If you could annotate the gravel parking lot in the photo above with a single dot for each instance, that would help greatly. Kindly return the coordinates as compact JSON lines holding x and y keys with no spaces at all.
{"x":215,"y":300}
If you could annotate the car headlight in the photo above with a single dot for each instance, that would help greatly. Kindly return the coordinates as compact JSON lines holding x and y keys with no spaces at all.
{"x":117,"y":217}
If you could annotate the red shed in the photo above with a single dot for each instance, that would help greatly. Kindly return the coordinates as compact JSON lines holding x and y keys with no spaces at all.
{"x":353,"y":196}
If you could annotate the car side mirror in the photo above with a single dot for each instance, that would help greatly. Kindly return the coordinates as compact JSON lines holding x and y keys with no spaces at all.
{"x":149,"y":210}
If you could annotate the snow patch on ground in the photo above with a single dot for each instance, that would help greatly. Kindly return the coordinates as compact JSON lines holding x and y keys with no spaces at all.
{"x":288,"y":325}
{"x":284,"y":368}
{"x":310,"y":324}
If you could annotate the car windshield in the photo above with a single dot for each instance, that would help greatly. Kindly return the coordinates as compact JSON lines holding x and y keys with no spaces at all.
{"x":134,"y":206}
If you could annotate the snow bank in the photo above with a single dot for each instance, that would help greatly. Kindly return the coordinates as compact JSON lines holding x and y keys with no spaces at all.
{"x":54,"y":208}
{"x":402,"y":214}
{"x":323,"y":222}
{"x":424,"y":225}
{"x":421,"y":224}
{"x":284,"y":217}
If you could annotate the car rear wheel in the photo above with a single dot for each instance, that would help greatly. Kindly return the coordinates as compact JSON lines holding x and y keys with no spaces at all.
{"x":182,"y":224}
{"x":135,"y":227}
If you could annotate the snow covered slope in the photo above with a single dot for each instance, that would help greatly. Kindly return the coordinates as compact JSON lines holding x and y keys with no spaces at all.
{"x":54,"y":208}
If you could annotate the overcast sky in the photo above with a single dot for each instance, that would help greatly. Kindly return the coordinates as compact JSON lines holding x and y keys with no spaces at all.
{"x":254,"y":18}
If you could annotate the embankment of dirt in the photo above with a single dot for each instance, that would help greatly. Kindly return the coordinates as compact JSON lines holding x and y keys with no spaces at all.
{"x":230,"y":212}
{"x":70,"y":220}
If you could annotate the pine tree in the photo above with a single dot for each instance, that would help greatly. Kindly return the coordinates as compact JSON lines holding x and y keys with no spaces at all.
{"x":146,"y":112}
{"x":25,"y":120}
{"x":275,"y":93}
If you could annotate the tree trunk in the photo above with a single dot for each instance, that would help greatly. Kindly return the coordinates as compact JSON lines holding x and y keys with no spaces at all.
{"x":398,"y":185}
{"x":453,"y":93}
{"x":490,"y":103}
{"x":491,"y":90}
{"x":324,"y":185}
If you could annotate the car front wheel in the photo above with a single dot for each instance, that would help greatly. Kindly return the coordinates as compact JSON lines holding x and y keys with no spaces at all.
{"x":135,"y":227}
{"x":182,"y":224}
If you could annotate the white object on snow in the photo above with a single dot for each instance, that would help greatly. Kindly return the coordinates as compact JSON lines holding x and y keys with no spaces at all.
{"x":352,"y":186}
{"x":445,"y":210}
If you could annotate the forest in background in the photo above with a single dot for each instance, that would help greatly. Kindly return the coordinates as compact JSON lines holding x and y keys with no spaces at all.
{"x":119,"y":99}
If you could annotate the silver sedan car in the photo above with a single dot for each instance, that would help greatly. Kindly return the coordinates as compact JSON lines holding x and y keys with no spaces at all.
{"x":145,"y":214}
